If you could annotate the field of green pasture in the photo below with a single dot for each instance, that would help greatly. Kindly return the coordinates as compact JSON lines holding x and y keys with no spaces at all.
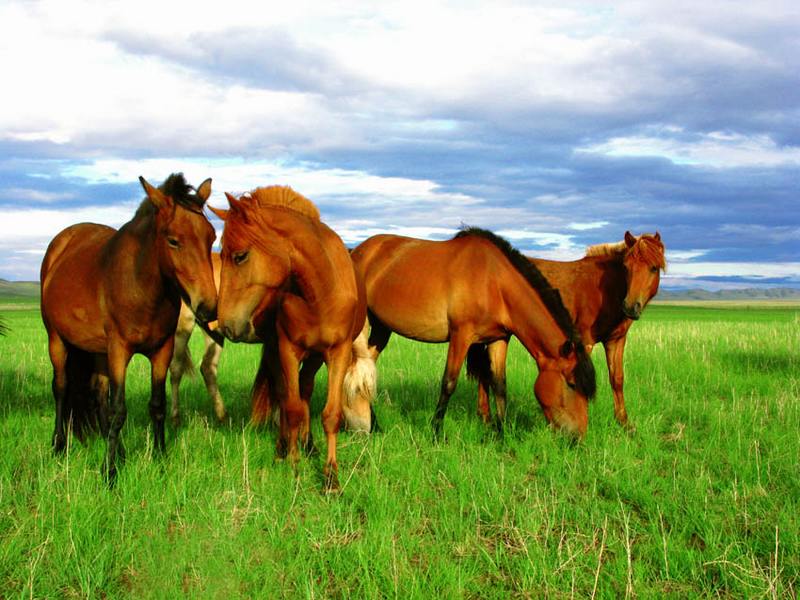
{"x":702,"y":499}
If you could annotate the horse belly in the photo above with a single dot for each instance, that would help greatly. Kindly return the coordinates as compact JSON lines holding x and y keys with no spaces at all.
{"x":414,"y":318}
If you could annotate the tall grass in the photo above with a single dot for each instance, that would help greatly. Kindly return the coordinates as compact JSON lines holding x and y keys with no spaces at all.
{"x":701,"y":500}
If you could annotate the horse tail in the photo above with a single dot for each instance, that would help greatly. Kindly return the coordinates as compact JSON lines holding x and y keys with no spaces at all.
{"x":360,"y":384}
{"x":479,"y":367}
{"x":82,"y":405}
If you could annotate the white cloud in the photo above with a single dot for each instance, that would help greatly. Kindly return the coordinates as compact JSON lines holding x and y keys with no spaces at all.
{"x":716,"y":149}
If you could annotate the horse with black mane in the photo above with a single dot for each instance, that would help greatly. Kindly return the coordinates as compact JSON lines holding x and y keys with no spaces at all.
{"x":605,"y":292}
{"x":476,"y":289}
{"x":109,"y":294}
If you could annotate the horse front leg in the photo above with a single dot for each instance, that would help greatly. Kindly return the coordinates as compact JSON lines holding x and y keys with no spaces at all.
{"x":118,"y":358}
{"x":159,"y":365}
{"x":456,"y":353}
{"x":180,"y":363}
{"x":338,"y":360}
{"x":615,"y":350}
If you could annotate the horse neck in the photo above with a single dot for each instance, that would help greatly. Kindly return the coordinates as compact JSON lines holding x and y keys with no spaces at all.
{"x":311,"y":267}
{"x":531,"y":321}
{"x":138,"y":254}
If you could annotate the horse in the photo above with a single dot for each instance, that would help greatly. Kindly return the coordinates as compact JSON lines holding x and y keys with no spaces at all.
{"x":476,"y":288}
{"x":605,"y":292}
{"x":182,"y":358}
{"x":287,"y":282}
{"x":109,"y":294}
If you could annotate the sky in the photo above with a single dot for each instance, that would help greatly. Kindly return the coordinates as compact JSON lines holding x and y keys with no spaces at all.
{"x":556,"y":124}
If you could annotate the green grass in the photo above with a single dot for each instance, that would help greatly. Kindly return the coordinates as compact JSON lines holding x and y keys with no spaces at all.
{"x":701,"y":501}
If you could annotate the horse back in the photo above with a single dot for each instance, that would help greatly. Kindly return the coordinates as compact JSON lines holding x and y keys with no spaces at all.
{"x":71,"y":280}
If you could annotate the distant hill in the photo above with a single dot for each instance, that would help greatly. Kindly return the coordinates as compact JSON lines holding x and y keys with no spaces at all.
{"x":737,"y":294}
{"x":19,"y":290}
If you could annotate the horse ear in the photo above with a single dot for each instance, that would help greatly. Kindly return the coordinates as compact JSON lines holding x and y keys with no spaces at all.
{"x":204,"y":191}
{"x":220,"y":212}
{"x":156,"y":196}
{"x":658,"y":237}
{"x":237,"y":206}
{"x":630,"y":240}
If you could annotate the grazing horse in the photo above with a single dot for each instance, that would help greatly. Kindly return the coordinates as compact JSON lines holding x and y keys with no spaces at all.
{"x":109,"y":294}
{"x":476,"y":289}
{"x":287,"y":281}
{"x":605,"y":292}
{"x":182,"y":358}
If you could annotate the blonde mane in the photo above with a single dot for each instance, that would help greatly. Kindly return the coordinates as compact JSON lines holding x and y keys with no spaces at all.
{"x":286,"y":197}
{"x":648,"y":248}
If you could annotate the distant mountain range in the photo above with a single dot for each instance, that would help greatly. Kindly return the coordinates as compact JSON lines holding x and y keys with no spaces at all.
{"x":735,"y":294}
{"x":20,"y":290}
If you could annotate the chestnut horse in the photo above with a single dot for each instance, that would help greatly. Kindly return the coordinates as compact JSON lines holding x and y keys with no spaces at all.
{"x":605,"y":292}
{"x":182,"y":358}
{"x":476,"y":289}
{"x":287,"y":281}
{"x":108,"y":294}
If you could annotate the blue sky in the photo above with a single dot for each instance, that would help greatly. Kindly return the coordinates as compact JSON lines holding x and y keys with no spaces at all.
{"x":557,"y":124}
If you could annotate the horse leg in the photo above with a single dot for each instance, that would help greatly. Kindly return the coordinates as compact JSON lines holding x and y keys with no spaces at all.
{"x":615,"y":350}
{"x":181,"y":363}
{"x":497,"y":361}
{"x":378,"y":336}
{"x":456,"y":353}
{"x":159,"y":365}
{"x":267,"y":378}
{"x":294,"y":412}
{"x":58,"y":356}
{"x":307,"y":374}
{"x":100,"y":387}
{"x":338,"y":360}
{"x":209,"y":370}
{"x":118,"y":358}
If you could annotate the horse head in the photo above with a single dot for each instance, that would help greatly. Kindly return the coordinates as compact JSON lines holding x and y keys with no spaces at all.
{"x":183,"y":240}
{"x":643,"y":260}
{"x":256,"y":267}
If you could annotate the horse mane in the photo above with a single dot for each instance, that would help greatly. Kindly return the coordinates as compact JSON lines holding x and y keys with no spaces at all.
{"x":283,"y":196}
{"x":176,"y":187}
{"x":551,"y":297}
{"x":647,"y":249}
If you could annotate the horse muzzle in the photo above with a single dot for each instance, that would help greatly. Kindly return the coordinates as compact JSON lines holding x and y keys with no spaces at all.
{"x":206,"y":313}
{"x":633,"y":311}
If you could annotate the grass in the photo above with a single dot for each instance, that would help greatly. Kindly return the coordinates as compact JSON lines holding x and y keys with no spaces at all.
{"x":701,"y":501}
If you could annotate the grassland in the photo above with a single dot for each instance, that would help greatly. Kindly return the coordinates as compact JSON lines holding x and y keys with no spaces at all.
{"x":700,"y":501}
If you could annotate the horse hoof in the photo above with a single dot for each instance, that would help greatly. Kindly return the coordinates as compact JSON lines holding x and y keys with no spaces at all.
{"x":59,"y":446}
{"x":332,"y":486}
{"x":176,"y":421}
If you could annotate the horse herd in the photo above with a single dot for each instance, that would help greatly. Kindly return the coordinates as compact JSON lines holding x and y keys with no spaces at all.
{"x":285,"y":280}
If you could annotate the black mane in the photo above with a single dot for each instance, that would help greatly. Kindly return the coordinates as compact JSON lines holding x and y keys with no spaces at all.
{"x":584,"y":371}
{"x":175,"y":187}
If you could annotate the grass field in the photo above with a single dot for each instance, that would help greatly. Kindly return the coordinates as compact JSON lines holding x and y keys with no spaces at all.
{"x":702,"y":500}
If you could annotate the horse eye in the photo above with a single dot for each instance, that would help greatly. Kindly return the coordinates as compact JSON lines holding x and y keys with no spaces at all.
{"x":240,"y":257}
{"x":173,"y":242}
{"x":654,"y":270}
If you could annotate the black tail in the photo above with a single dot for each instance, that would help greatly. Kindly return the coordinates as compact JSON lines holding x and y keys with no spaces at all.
{"x":82,"y":405}
{"x":479,"y":367}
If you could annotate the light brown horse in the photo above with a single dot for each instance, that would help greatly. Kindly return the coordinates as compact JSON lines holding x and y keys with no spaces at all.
{"x":182,"y":362}
{"x":476,"y":289}
{"x":109,"y":294}
{"x":287,"y":281}
{"x":605,"y":292}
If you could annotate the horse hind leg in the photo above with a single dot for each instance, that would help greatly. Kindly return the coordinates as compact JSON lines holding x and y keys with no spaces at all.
{"x":208,"y":368}
{"x":58,"y":357}
{"x":180,"y":365}
{"x":307,"y":375}
{"x":456,"y":353}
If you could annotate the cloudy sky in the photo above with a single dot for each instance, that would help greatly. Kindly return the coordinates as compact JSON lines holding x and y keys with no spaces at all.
{"x":557,"y":124}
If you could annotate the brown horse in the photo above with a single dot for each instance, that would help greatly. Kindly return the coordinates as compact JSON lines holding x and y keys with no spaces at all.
{"x":605,"y":292}
{"x":182,"y":358}
{"x":476,"y":289}
{"x":287,"y":281}
{"x":108,"y":294}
